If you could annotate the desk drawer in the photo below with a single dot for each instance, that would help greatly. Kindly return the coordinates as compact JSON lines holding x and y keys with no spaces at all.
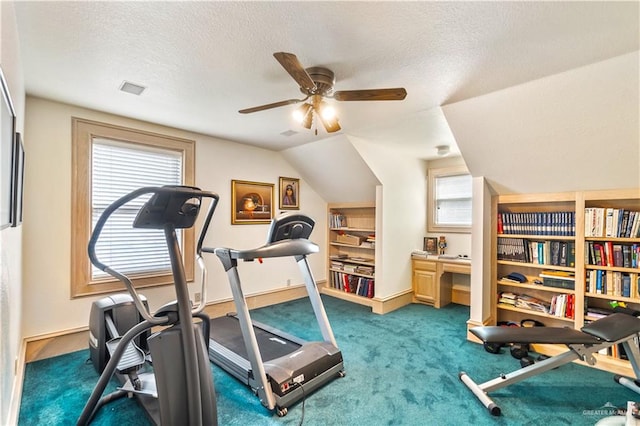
{"x":456,"y":268}
{"x":424,"y":265}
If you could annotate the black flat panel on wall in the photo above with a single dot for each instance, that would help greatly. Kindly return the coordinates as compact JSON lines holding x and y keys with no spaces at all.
{"x":7,"y":143}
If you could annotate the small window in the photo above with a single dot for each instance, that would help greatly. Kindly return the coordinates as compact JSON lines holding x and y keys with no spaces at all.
{"x":450,"y":196}
{"x":110,"y":162}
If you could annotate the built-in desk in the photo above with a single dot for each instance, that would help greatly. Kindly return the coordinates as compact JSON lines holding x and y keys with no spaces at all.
{"x":434,"y":281}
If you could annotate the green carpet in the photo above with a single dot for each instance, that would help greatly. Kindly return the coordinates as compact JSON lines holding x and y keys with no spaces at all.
{"x":402,"y":369}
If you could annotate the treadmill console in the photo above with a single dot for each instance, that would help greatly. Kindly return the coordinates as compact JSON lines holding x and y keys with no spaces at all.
{"x":290,"y":227}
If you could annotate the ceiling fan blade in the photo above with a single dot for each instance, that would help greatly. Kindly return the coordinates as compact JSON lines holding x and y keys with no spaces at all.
{"x":290,"y":62}
{"x":269,"y":106}
{"x":395,"y":94}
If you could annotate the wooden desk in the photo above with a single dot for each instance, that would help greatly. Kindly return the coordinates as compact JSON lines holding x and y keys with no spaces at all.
{"x":433,"y":284}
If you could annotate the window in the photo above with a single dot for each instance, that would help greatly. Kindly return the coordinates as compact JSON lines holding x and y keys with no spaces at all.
{"x":450,"y":193}
{"x":109,"y":162}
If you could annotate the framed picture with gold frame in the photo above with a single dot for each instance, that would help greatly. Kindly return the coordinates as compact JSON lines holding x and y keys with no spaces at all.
{"x":289,"y":193}
{"x":251,"y":202}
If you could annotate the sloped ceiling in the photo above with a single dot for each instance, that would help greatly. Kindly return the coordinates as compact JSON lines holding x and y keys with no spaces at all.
{"x":335,"y":170}
{"x":577,"y":130}
{"x":202,"y":61}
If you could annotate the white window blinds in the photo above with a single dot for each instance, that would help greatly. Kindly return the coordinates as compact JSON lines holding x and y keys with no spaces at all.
{"x":453,"y":200}
{"x":117,"y":169}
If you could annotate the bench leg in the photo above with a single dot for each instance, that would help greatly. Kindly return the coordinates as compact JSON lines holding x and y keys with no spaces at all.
{"x":481,"y":390}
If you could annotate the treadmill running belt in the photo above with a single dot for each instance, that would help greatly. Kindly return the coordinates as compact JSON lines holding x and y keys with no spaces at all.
{"x":226,"y":331}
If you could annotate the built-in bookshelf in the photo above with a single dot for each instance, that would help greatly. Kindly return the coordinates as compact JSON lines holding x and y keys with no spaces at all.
{"x":612,"y":252}
{"x":579,"y":254}
{"x":351,"y":251}
{"x":536,"y":240}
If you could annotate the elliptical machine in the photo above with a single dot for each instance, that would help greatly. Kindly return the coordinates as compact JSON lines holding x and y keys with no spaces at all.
{"x":180,"y":388}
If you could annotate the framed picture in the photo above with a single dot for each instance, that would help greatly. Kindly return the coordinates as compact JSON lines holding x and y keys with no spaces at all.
{"x":289,"y":193}
{"x":7,"y":143}
{"x":252,"y":202}
{"x":430,"y":245}
{"x":18,"y":181}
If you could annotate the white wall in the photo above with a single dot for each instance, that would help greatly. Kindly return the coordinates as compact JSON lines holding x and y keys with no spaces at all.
{"x":47,"y":233}
{"x":578,"y":130}
{"x":10,"y":238}
{"x":403,"y":213}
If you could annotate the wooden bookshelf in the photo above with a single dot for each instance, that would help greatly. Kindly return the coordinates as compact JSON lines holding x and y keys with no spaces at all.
{"x":351,"y":252}
{"x":539,"y":221}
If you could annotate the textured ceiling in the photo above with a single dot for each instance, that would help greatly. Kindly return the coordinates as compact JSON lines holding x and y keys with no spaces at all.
{"x":203,"y":61}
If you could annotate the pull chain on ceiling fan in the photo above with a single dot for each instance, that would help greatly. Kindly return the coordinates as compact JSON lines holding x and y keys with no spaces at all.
{"x":317,"y":83}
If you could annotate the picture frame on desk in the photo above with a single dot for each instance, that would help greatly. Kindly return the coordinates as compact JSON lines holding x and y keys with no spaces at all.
{"x":430,"y":245}
{"x":251,"y":202}
{"x":289,"y":193}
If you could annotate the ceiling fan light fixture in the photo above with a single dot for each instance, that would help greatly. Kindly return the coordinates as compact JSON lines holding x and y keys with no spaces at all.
{"x":328,"y":112}
{"x":301,"y":112}
{"x":304,"y":115}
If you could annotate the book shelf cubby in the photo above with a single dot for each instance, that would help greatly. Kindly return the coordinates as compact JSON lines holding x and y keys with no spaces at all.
{"x":351,"y":251}
{"x":579,"y":253}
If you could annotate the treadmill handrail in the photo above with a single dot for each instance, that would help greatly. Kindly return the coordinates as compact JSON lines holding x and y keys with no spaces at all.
{"x":113,"y":207}
{"x":282,"y":248}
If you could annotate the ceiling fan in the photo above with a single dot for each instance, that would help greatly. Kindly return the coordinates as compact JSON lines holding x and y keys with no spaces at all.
{"x":316,"y":83}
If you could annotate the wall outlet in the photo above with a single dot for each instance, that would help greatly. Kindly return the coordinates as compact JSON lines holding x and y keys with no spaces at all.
{"x":197,"y":297}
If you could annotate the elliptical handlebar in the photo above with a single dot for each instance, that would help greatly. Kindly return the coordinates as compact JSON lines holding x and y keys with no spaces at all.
{"x":185,"y":192}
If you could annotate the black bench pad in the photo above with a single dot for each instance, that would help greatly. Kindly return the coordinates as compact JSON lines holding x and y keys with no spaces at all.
{"x":497,"y":334}
{"x":608,"y":329}
{"x":613,"y":327}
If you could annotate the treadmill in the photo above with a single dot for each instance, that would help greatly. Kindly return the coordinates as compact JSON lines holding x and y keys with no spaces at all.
{"x":279,"y":367}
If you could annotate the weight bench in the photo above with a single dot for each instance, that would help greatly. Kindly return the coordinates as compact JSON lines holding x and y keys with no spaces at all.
{"x":617,"y":328}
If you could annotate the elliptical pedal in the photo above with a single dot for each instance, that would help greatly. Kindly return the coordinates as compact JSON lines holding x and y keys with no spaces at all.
{"x":132,"y":359}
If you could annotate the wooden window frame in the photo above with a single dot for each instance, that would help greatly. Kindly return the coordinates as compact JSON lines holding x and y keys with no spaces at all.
{"x":433,"y":174}
{"x":83,"y":133}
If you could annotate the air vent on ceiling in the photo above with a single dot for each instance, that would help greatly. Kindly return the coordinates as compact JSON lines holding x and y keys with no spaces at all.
{"x":289,"y":133}
{"x":134,"y":89}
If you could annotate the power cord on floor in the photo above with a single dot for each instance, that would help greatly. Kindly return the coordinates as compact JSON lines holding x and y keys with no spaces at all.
{"x":303,"y":398}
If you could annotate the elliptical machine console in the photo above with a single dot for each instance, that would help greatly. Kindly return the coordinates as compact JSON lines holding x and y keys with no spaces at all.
{"x":179,"y":389}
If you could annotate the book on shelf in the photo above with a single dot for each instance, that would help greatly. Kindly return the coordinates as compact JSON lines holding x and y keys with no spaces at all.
{"x":537,"y":223}
{"x":607,"y":253}
{"x":556,"y":253}
{"x":524,"y":301}
{"x":612,"y":283}
{"x":562,"y":305}
{"x":611,"y":222}
{"x":553,"y":279}
{"x":337,"y":220}
{"x":362,"y":286}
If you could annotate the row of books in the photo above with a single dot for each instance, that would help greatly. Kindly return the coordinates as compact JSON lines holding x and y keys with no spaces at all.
{"x":352,"y":268}
{"x":607,"y":253}
{"x":353,"y":284}
{"x":610,"y":222}
{"x":612,"y":283}
{"x":556,"y":253}
{"x":523,"y":301}
{"x":563,"y":305}
{"x":337,"y":220}
{"x":537,"y":223}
